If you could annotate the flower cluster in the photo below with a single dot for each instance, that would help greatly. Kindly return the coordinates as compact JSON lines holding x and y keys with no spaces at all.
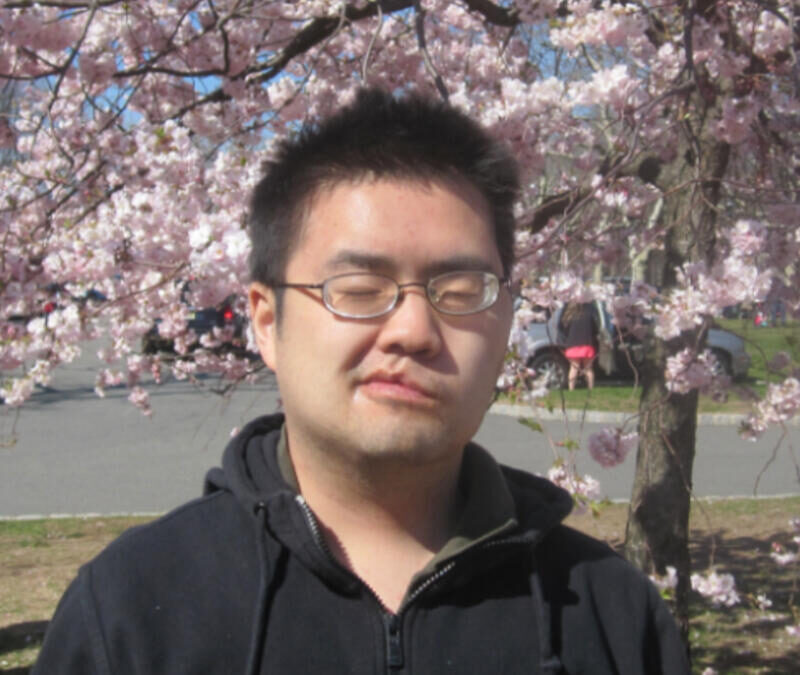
{"x":720,"y":589}
{"x":668,"y":582}
{"x":609,"y":447}
{"x":779,"y":554}
{"x":781,"y":402}
{"x":686,"y":371}
{"x":584,"y":489}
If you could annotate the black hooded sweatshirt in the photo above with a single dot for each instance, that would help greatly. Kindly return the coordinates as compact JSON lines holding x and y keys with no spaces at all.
{"x":240,"y":581}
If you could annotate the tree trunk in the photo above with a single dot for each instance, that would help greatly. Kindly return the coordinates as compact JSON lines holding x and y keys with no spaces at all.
{"x":657,"y":533}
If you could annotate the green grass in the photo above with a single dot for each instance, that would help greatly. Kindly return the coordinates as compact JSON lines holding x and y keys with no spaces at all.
{"x":761,"y":343}
{"x":40,"y":557}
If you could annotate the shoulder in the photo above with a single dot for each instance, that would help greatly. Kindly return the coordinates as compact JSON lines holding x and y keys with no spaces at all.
{"x":213,"y":516}
{"x":566,"y":555}
{"x":577,"y":566}
{"x":182,"y":548}
{"x":576,"y":569}
{"x":150,"y":582}
{"x":604,"y":605}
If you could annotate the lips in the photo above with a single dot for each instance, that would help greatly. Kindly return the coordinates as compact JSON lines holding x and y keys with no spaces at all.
{"x":396,"y":385}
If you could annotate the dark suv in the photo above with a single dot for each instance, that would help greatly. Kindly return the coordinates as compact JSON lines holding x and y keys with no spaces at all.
{"x":202,"y":321}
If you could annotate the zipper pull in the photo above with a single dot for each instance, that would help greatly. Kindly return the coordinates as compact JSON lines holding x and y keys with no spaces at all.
{"x":394,"y":644}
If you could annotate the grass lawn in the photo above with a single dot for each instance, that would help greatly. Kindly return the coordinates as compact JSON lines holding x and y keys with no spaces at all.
{"x":761,"y":343}
{"x":40,"y":558}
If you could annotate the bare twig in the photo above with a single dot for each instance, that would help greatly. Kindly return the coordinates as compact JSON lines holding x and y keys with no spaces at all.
{"x":419,"y":25}
{"x":373,"y":39}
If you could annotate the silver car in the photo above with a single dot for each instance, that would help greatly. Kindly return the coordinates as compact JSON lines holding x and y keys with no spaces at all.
{"x":547,"y":359}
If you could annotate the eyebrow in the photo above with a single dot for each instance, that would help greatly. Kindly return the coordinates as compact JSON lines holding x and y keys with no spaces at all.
{"x":379,"y":263}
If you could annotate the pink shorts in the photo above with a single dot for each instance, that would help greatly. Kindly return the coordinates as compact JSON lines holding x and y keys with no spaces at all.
{"x":580,"y":352}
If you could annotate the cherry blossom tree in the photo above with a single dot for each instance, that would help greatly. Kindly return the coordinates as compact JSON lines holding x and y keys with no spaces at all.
{"x":662,"y":134}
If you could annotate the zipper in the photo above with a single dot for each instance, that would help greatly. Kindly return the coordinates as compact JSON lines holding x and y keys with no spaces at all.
{"x":313,"y":525}
{"x":392,"y":622}
{"x":394,"y":641}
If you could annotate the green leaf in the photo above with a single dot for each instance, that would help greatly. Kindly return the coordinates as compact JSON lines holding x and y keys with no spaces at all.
{"x":569,"y":444}
{"x":531,"y":424}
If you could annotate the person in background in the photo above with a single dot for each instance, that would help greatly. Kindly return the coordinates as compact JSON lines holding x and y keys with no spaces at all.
{"x":579,"y":326}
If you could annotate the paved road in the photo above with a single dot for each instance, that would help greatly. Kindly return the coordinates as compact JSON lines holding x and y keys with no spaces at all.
{"x":70,"y":452}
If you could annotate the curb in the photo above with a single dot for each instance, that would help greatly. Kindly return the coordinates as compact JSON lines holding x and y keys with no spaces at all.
{"x":600,"y":417}
{"x":82,"y":516}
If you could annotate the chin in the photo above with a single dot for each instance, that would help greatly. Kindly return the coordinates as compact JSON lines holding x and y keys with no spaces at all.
{"x":405,"y":441}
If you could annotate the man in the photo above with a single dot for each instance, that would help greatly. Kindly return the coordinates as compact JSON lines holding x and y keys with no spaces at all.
{"x":360,"y":531}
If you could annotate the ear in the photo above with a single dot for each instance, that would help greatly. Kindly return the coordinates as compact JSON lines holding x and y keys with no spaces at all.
{"x":261,"y":299}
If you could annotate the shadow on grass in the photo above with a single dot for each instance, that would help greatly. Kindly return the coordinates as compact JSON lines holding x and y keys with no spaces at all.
{"x":748,"y":560}
{"x":19,"y":636}
{"x":742,"y":658}
{"x":743,"y":638}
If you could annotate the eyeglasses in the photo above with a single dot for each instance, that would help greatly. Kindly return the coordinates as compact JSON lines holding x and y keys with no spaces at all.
{"x":366,"y":296}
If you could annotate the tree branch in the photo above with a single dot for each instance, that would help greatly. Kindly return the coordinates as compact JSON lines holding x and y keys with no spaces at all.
{"x":494,"y":14}
{"x":419,"y":27}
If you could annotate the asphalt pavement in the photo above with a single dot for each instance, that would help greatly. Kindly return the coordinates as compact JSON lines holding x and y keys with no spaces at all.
{"x":69,"y":452}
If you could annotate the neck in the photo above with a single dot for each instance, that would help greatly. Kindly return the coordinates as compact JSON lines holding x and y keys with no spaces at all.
{"x":384,"y":520}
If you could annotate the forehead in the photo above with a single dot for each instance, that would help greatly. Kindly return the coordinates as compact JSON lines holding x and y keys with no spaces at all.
{"x":395,"y":224}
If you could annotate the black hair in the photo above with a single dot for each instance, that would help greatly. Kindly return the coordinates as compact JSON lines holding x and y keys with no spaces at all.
{"x":377,"y":136}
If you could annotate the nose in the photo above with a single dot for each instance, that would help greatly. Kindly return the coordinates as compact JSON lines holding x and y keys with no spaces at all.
{"x":412,"y":327}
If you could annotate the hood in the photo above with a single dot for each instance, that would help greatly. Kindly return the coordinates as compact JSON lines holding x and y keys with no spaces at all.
{"x":499,"y":500}
{"x":249,"y":466}
{"x":502,"y":505}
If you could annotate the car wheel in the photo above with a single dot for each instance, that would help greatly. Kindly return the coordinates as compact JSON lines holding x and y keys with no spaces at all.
{"x":552,"y":367}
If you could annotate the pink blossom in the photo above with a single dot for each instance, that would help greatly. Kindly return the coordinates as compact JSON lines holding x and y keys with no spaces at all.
{"x":720,"y":589}
{"x":781,"y":402}
{"x":584,"y":489}
{"x":141,"y":399}
{"x":107,"y":378}
{"x":747,"y":237}
{"x":17,"y":390}
{"x":794,"y":631}
{"x":685,"y":372}
{"x":737,"y":117}
{"x":99,"y":69}
{"x":783,"y":557}
{"x":667,"y":582}
{"x":609,"y":447}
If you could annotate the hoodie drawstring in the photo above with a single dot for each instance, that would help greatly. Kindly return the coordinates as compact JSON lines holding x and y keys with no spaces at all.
{"x":258,"y":634}
{"x":548,"y":660}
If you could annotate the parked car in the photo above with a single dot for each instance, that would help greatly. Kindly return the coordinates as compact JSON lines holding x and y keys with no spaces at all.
{"x":547,"y":357}
{"x":55,"y":296}
{"x":202,"y":321}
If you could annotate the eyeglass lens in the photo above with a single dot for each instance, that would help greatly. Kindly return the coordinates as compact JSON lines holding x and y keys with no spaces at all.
{"x":370,"y":295}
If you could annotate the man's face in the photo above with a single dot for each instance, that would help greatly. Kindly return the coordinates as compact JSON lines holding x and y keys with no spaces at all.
{"x":410,"y":385}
